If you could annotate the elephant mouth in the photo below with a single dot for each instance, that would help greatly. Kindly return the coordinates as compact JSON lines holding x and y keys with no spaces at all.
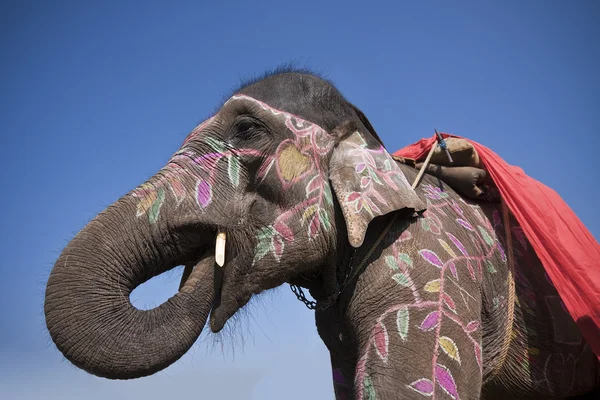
{"x":213,"y":244}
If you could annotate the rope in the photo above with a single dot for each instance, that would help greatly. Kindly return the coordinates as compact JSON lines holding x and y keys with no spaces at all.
{"x":511,"y":292}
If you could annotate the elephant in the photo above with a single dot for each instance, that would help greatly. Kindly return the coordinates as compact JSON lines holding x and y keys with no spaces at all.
{"x":417,"y":291}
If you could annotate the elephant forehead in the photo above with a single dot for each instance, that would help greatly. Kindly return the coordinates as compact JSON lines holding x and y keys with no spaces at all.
{"x":296,"y":124}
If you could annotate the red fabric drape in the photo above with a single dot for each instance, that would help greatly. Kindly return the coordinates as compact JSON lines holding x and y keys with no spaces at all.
{"x":569,"y":252}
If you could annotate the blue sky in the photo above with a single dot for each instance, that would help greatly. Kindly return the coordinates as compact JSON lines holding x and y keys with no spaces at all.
{"x":95,"y":96}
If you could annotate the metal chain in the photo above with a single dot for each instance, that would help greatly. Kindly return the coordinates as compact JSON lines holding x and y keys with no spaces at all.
{"x":311,"y":305}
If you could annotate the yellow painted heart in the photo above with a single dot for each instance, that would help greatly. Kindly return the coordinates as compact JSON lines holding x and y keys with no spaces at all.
{"x":291,"y":163}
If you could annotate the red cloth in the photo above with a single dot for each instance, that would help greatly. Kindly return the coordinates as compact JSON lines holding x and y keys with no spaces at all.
{"x":569,"y":252}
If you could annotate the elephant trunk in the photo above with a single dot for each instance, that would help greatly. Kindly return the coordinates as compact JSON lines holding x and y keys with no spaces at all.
{"x":88,"y":310}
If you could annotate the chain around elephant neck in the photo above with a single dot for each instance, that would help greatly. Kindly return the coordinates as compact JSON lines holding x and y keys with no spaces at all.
{"x":351,"y":274}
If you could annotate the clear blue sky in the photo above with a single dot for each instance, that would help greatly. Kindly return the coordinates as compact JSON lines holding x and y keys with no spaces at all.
{"x":95,"y":96}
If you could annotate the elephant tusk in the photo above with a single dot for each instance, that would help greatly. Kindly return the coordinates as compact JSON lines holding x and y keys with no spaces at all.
{"x":220,"y":249}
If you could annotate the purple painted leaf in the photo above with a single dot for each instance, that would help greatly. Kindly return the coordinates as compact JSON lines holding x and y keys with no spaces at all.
{"x":446,"y":381}
{"x":471,"y":271}
{"x":423,"y":386}
{"x":457,"y":243}
{"x":365,"y":181}
{"x":390,"y":182}
{"x":381,"y":340}
{"x":313,"y":185}
{"x":284,"y":231}
{"x":496,"y":218}
{"x":456,"y":207}
{"x":464,"y":223}
{"x":452,"y":268}
{"x":178,"y":190}
{"x":472,"y":326}
{"x":277,"y":246}
{"x":501,"y":251}
{"x":433,"y":227}
{"x":208,"y":161}
{"x":430,"y":321}
{"x":431,"y":257}
{"x":203,"y":193}
{"x":352,"y":197}
{"x":449,"y":302}
{"x":406,"y":235}
{"x":360,"y":167}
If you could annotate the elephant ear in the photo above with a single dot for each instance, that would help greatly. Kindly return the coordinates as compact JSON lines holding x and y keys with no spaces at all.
{"x":367,"y":181}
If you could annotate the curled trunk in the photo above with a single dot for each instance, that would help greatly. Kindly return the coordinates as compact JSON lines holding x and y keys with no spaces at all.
{"x":88,"y":310}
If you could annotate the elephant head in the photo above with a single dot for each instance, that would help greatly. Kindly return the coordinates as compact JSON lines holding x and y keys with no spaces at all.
{"x":287,"y":174}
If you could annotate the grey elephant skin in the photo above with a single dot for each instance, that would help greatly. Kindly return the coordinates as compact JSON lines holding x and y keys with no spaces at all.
{"x":415,"y":296}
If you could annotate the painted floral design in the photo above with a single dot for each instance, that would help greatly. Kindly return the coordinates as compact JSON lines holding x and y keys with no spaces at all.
{"x":426,"y":316}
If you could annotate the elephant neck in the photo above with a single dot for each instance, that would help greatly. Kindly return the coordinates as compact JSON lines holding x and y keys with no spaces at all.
{"x":356,"y":260}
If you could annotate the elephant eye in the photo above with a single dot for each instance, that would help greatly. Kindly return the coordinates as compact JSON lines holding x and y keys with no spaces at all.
{"x":247,"y":128}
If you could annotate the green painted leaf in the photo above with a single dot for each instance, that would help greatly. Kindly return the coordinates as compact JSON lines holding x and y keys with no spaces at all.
{"x":264,"y":243}
{"x":402,"y":320}
{"x":391,"y":262}
{"x":401,"y":279}
{"x":425,"y":225}
{"x":386,"y":165}
{"x":374,"y":176}
{"x":327,"y":194}
{"x":216,"y":145}
{"x":490,"y":267}
{"x":155,"y":209}
{"x":324,"y":218}
{"x":486,"y":236}
{"x":406,"y":259}
{"x":361,"y":140}
{"x":368,"y":389}
{"x":234,"y":170}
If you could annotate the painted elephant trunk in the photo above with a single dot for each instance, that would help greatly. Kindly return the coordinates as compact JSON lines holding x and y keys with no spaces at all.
{"x":88,"y":311}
